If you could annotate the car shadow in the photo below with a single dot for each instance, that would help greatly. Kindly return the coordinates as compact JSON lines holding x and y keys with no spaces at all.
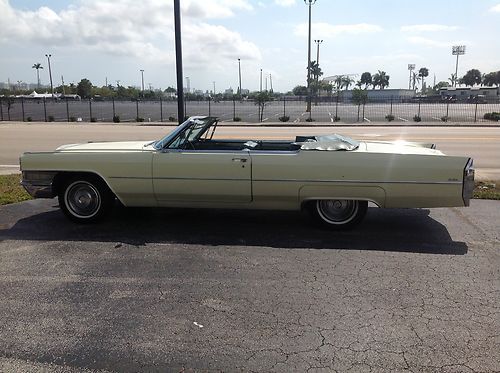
{"x":398,"y":230}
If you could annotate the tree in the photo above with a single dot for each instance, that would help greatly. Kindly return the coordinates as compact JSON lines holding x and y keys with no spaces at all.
{"x":359,"y":96}
{"x":366,"y":79}
{"x":472,"y":78}
{"x":492,"y":79}
{"x":452,"y":79}
{"x":347,"y":81}
{"x":438,"y":86}
{"x":37,"y":66}
{"x":261,"y":99}
{"x":423,"y":73}
{"x":381,"y":79}
{"x":315,"y":71}
{"x":339,"y":81}
{"x":300,"y":90}
{"x":84,"y":88}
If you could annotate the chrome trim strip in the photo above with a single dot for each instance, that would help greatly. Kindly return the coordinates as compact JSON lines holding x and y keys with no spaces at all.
{"x":179,"y":178}
{"x":362,"y":181}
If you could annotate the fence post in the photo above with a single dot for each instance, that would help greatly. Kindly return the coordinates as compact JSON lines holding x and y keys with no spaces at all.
{"x":209,"y":108}
{"x":475,"y":112}
{"x":22,"y":106}
{"x":284,"y":106}
{"x":114,"y":112}
{"x":161,"y":110}
{"x":447,"y":110}
{"x":337,"y":107}
{"x":185,"y":111}
{"x":45,"y":108}
{"x":391,"y":106}
{"x":419,"y":108}
{"x":234,"y":108}
{"x":359,"y":107}
{"x":90,"y":109}
{"x":1,"y":109}
{"x":364,"y":104}
{"x":67,"y":109}
{"x":136,"y":110}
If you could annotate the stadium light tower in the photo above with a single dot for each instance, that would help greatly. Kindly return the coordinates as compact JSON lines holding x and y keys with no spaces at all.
{"x":309,"y":3}
{"x":50,"y":74}
{"x":457,"y":50}
{"x":411,"y":67}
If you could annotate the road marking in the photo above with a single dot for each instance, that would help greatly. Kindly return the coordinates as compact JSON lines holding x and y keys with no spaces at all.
{"x":276,"y":115}
{"x":303,"y":114}
{"x":9,"y":165}
{"x":265,"y":119}
{"x":403,"y":119}
{"x":368,"y":120}
{"x":296,"y":120}
{"x":197,"y":324}
{"x":436,"y":118}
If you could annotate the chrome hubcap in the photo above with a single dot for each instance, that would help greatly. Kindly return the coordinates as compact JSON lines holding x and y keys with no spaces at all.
{"x":82,"y":199}
{"x":339,"y":211}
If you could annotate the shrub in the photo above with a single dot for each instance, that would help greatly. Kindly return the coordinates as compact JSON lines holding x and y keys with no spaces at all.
{"x":236,"y":119}
{"x":29,"y":119}
{"x":444,"y":118}
{"x":389,"y":117}
{"x":336,"y":119}
{"x":284,"y":118}
{"x":417,"y":118}
{"x":93,"y":119}
{"x":172,"y":119}
{"x":309,"y":120}
{"x":492,"y":116}
{"x":51,"y":118}
{"x":116,"y":119}
{"x":139,"y":119}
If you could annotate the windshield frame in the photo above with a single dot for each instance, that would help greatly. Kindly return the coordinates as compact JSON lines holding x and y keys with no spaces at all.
{"x":165,"y":142}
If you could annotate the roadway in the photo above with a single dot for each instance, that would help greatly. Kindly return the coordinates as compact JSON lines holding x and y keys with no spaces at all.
{"x":481,"y":143}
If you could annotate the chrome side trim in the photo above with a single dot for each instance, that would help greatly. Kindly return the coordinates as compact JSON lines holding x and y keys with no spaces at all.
{"x":363,"y":181}
{"x":38,"y":191}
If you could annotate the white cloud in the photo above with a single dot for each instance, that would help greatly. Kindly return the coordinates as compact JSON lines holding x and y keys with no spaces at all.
{"x":435,"y":43}
{"x":131,"y":28}
{"x":327,"y":29}
{"x":428,"y":28}
{"x":284,"y":2}
{"x":495,"y":9}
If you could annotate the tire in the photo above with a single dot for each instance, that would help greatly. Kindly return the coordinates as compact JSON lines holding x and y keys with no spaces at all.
{"x":338,"y":214}
{"x":85,"y":199}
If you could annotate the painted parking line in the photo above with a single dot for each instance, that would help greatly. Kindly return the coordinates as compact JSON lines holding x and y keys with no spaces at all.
{"x":403,"y":119}
{"x":436,"y":118}
{"x":265,"y":119}
{"x":366,"y":119}
{"x":296,"y":120}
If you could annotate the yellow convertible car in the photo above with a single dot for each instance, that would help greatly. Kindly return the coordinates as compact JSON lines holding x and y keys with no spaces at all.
{"x":334,"y":177}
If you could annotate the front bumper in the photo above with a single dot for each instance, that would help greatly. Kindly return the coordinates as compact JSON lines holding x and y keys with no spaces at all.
{"x":38,"y":191}
{"x":39,"y":184}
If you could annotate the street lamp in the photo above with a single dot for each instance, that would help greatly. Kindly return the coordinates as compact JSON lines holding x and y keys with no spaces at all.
{"x":50,"y":74}
{"x":318,"y":42}
{"x":271,"y":81}
{"x":142,"y":81}
{"x":214,"y":88}
{"x":239,"y":72}
{"x":457,"y":50}
{"x":260,"y":80}
{"x":309,"y":3}
{"x":411,"y":67}
{"x":178,"y":60}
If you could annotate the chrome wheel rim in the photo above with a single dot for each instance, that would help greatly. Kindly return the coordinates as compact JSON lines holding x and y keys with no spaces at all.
{"x":82,"y":199}
{"x":337,"y":211}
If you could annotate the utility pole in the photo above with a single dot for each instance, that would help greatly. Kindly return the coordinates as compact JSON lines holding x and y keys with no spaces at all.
{"x":214,"y":88}
{"x":178,"y":59}
{"x":239,"y":73}
{"x":62,"y":81}
{"x":271,"y":80}
{"x":142,"y":81}
{"x":411,"y":67}
{"x":50,"y":75}
{"x":309,"y":3}
{"x":318,"y":42}
{"x":457,"y":50}
{"x":106,"y":81}
{"x":266,"y":83}
{"x":260,"y":80}
{"x":188,"y":84}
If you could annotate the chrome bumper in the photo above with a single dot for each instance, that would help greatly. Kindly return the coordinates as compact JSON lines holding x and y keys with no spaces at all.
{"x":38,"y":183}
{"x":468,"y":182}
{"x":38,"y":191}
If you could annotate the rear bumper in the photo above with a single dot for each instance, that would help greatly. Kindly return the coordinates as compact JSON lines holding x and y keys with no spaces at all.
{"x":468,"y":182}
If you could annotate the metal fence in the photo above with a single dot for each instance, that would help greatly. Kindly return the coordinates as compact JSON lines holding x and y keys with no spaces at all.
{"x":293,"y":110}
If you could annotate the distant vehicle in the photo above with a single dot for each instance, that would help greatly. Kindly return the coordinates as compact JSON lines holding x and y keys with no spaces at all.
{"x":333,"y":177}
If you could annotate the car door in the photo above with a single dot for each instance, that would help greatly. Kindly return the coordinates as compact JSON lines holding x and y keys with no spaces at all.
{"x":186,"y":175}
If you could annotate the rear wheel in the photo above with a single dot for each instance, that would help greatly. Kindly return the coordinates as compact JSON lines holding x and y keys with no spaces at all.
{"x":85,"y":199}
{"x":338,"y":214}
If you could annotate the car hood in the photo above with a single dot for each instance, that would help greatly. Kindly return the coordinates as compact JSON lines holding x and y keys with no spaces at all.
{"x":107,"y":146}
{"x":398,"y":147}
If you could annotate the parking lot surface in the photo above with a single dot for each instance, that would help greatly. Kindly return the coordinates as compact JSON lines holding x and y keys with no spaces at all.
{"x":188,"y":290}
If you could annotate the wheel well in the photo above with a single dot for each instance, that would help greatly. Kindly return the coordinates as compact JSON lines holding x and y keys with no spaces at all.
{"x":307,"y":202}
{"x":61,"y":177}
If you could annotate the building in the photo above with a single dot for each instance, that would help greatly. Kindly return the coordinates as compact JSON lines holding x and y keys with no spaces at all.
{"x":466,"y":93}
{"x":381,"y":95}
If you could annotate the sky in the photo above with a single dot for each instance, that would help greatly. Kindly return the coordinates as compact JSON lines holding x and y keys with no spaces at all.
{"x":115,"y":39}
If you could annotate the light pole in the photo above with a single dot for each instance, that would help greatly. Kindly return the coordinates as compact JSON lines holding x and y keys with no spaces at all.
{"x":411,"y":67}
{"x":142,"y":81}
{"x":260,"y":80}
{"x":309,"y":3}
{"x":457,"y":50}
{"x":318,"y":42}
{"x":178,"y":60}
{"x":50,"y":75}
{"x":239,"y":73}
{"x":271,"y":81}
{"x":188,"y":84}
{"x":214,"y":88}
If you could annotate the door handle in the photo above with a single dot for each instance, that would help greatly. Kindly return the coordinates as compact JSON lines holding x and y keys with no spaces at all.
{"x":242,"y":160}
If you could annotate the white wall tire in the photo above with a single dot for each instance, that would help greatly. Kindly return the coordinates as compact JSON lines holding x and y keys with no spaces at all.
{"x":338,"y":214}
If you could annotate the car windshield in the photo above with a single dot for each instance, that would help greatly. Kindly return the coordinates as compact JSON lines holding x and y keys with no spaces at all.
{"x":188,"y":131}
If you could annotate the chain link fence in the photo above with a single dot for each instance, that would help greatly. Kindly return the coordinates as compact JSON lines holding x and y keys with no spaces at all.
{"x":286,"y":109}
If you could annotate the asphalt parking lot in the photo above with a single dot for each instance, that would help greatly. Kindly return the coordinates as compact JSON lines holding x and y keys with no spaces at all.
{"x":186,"y":290}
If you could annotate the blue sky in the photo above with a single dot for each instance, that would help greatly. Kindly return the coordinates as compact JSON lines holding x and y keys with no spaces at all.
{"x":115,"y":38}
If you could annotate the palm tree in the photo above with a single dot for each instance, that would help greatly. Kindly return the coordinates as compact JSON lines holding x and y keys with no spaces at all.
{"x":37,"y":66}
{"x":423,"y":73}
{"x":415,"y":80}
{"x":381,"y":79}
{"x":347,"y":81}
{"x":452,"y":79}
{"x":339,"y":81}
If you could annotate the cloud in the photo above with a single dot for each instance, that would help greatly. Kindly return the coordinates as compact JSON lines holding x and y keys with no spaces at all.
{"x":495,"y":9}
{"x":435,"y":43}
{"x":284,"y":3}
{"x":428,"y":28}
{"x":130,"y":28}
{"x":327,"y":29}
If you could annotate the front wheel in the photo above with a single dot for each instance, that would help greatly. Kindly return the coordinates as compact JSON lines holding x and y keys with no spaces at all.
{"x":338,"y":214}
{"x":85,"y":199}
